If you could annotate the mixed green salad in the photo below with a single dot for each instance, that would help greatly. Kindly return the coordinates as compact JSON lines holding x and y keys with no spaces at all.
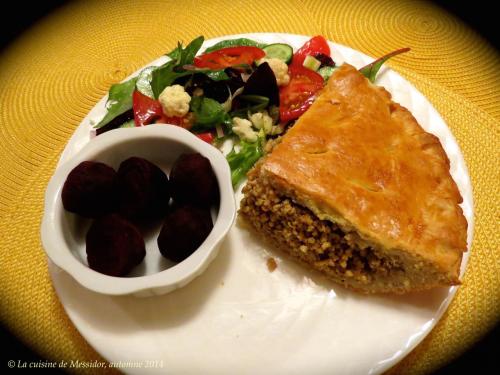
{"x":238,"y":89}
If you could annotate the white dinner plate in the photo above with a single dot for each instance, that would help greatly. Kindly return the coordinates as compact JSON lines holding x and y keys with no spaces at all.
{"x":240,"y":318}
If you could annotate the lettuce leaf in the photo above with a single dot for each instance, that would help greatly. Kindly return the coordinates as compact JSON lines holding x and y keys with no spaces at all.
{"x":208,"y":112}
{"x":243,"y":160}
{"x":166,"y":74}
{"x":119,"y":101}
{"x":243,"y":42}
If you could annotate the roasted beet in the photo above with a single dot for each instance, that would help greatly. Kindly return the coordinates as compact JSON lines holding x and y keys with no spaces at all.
{"x":141,"y":189}
{"x":88,"y":189}
{"x":217,"y":90}
{"x":116,"y":122}
{"x":192,"y":179}
{"x":114,"y":246}
{"x":184,"y":230}
{"x":325,"y":60}
{"x":262,"y":82}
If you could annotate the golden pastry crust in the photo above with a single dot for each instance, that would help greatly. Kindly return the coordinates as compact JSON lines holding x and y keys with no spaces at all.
{"x":362,"y":161}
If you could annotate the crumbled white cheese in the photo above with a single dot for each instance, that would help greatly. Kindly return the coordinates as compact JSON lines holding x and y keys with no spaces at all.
{"x":243,"y":129}
{"x":175,"y":101}
{"x":262,"y":120}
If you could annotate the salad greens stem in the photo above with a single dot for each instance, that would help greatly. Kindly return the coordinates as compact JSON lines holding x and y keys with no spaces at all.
{"x":208,"y":112}
{"x":166,"y":74}
{"x":370,"y":71}
{"x":242,"y":161}
{"x":256,"y":103}
{"x":183,"y":56}
{"x":214,"y":75}
{"x":253,"y":97}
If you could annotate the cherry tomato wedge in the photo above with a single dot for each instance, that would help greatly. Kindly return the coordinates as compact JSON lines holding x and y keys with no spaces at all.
{"x":170,"y":120}
{"x":315,"y":45}
{"x":146,"y":110}
{"x":207,"y":137}
{"x":299,"y":94}
{"x":227,"y":57}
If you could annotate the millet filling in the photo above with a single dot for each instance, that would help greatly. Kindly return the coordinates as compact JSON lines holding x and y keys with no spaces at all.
{"x":321,"y":243}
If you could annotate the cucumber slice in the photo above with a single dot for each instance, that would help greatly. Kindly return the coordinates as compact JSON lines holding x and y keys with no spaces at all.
{"x":280,"y":51}
{"x":326,"y":72}
{"x":310,"y":62}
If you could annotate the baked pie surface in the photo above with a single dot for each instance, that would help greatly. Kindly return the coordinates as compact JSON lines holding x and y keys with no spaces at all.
{"x":361,"y":161}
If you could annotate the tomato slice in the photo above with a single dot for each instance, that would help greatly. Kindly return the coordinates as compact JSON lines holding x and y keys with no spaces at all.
{"x":227,"y":57}
{"x":315,"y":45}
{"x":169,"y":120}
{"x":207,"y":137}
{"x":299,"y":94}
{"x":146,"y":110}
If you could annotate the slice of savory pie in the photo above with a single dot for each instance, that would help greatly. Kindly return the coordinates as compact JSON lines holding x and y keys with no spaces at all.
{"x":359,"y":191}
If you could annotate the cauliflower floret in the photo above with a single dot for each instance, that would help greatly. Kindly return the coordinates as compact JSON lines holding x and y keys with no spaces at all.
{"x":175,"y":101}
{"x":280,"y":70}
{"x":243,"y":129}
{"x":262,"y":120}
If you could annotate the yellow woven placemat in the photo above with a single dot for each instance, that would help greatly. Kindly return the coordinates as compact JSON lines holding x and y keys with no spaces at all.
{"x":56,"y":72}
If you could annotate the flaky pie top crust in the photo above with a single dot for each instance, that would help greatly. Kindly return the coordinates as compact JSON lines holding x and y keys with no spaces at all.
{"x":362,"y":160}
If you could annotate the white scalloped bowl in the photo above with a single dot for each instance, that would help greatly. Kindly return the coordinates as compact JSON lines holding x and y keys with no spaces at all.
{"x":63,"y":233}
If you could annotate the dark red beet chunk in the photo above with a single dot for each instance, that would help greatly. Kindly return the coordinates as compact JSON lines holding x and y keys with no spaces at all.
{"x":192,"y":180}
{"x":184,"y":230}
{"x":114,"y":246}
{"x":325,"y":60}
{"x":88,"y":189}
{"x":142,"y":190}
